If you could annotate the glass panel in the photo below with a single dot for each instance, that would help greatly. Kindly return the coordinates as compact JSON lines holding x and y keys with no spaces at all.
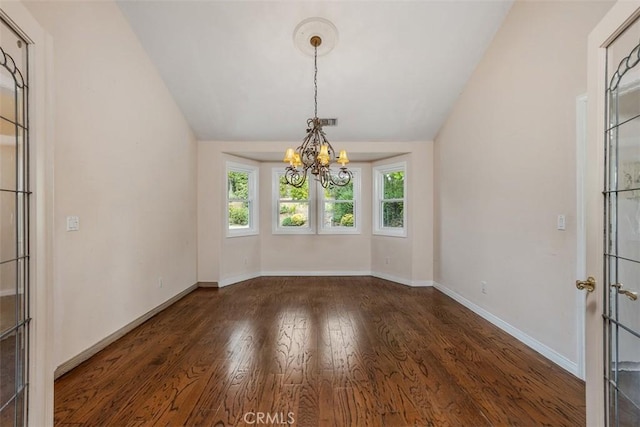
{"x":628,"y":413}
{"x":238,"y":185}
{"x":7,"y":416}
{"x":8,"y":238}
{"x":627,"y":155}
{"x":612,"y":157}
{"x":294,"y":214}
{"x":393,"y":185}
{"x":289,"y":192}
{"x":8,"y":301}
{"x":627,"y":310}
{"x":238,"y":215}
{"x":21,"y":216}
{"x":20,"y":358}
{"x":611,"y":406}
{"x":13,"y":226}
{"x":7,"y":368}
{"x":393,"y":214}
{"x":623,"y":226}
{"x":21,"y":408}
{"x":22,"y":296}
{"x":7,"y":162}
{"x":628,"y":220}
{"x":20,"y":98}
{"x":339,"y":193}
{"x":8,"y":97}
{"x":628,"y":365}
{"x":338,"y":214}
{"x":20,"y":141}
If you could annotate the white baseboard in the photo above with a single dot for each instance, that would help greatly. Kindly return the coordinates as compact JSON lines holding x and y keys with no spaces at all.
{"x":100,"y":345}
{"x":536,"y":345}
{"x":316,"y":273}
{"x":407,"y":282}
{"x":236,"y":279}
{"x":8,"y":292}
{"x":402,"y":280}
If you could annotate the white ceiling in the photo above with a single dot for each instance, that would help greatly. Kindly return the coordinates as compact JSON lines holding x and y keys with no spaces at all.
{"x":394,"y":75}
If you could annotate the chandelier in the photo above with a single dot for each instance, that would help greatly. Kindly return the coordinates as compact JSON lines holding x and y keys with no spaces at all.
{"x":316,"y":154}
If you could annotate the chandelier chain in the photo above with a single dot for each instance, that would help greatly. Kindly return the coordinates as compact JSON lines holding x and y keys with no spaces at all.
{"x":315,"y":81}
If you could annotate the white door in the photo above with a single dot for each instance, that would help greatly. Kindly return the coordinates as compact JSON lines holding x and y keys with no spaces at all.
{"x":613,"y":220}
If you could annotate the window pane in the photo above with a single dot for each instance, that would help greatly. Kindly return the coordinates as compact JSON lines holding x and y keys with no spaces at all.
{"x":339,"y":193}
{"x":289,"y":192}
{"x":293,"y":214}
{"x":393,"y":214}
{"x":238,"y":215}
{"x":393,"y":185}
{"x":238,"y":183}
{"x":338,"y":214}
{"x":8,"y":237}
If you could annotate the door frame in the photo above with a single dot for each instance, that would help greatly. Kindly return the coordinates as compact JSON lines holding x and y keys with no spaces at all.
{"x":621,"y":15}
{"x":41,"y":348}
{"x":581,"y":229}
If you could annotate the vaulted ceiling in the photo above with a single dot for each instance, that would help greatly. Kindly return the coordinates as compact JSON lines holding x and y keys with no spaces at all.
{"x":394,"y":75}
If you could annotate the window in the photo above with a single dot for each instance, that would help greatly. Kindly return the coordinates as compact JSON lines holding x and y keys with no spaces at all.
{"x":303,"y":210}
{"x":339,"y":208}
{"x":242,"y":200}
{"x":389,"y":198}
{"x":293,"y":207}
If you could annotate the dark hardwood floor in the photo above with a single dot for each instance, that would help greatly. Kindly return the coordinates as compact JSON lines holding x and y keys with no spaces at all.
{"x":321,"y":351}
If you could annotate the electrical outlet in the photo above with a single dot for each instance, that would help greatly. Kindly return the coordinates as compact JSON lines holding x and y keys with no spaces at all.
{"x":159,"y":282}
{"x":246,"y":261}
{"x":483,"y":286}
{"x":386,"y":260}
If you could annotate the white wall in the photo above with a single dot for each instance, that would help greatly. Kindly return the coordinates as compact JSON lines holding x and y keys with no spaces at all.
{"x":506,"y":167}
{"x":410,"y":259}
{"x":125,"y":163}
{"x":315,"y":253}
{"x":227,"y":260}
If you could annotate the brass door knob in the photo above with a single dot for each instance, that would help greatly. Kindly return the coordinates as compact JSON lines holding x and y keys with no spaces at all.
{"x":589,"y":284}
{"x":629,"y":294}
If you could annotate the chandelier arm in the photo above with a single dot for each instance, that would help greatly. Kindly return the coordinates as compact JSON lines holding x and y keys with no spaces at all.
{"x":295,"y":177}
{"x":344,"y":177}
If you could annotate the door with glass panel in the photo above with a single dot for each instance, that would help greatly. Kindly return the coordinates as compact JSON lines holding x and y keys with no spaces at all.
{"x":620,"y":309}
{"x":14,"y":224}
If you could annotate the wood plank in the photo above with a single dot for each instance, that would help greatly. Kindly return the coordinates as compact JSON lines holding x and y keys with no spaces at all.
{"x":343,"y":351}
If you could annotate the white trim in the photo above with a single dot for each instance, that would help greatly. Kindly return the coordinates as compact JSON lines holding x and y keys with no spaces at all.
{"x":357,"y":208}
{"x":534,"y":344}
{"x":402,"y":280}
{"x":111,"y":338}
{"x":581,"y":229}
{"x":316,"y":273}
{"x":8,"y":293}
{"x":237,"y":279}
{"x":377,"y":228}
{"x":254,"y":202}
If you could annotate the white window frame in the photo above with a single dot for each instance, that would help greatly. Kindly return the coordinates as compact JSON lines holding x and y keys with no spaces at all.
{"x":357,"y":229}
{"x":378,"y":187}
{"x":252,"y":198}
{"x":310,"y":226}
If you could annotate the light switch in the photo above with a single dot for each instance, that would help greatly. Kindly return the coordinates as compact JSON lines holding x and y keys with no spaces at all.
{"x":73,"y":223}
{"x":562,"y":222}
